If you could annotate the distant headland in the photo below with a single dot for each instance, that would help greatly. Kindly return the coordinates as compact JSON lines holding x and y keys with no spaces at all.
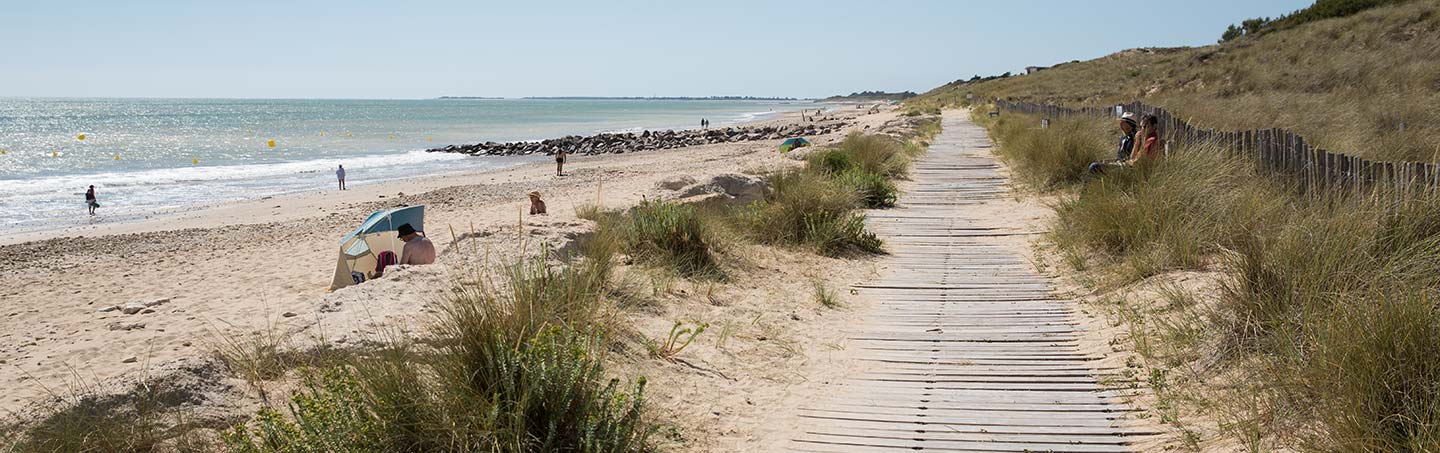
{"x":641,"y":98}
{"x":871,"y":96}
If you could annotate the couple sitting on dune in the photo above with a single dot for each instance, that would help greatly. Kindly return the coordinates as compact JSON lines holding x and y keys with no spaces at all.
{"x":1138,"y":143}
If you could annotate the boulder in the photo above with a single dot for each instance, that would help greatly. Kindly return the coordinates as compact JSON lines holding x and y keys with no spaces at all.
{"x":740,"y":186}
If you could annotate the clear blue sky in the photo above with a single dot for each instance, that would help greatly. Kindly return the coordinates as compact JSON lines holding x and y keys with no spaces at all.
{"x":421,"y":49}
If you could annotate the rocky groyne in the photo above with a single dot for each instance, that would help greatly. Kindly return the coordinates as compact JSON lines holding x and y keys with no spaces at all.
{"x":648,"y":140}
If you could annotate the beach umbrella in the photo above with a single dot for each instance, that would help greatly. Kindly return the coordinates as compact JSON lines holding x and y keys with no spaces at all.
{"x":793,"y":143}
{"x":360,"y":250}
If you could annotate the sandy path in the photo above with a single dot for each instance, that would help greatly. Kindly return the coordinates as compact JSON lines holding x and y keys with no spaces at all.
{"x":265,"y":264}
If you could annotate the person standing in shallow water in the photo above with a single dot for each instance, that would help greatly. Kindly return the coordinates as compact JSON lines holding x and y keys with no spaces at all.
{"x":90,"y":201}
{"x":340,"y":175}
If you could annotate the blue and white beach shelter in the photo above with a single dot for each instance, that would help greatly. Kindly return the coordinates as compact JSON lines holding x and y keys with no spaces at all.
{"x":359,"y":248}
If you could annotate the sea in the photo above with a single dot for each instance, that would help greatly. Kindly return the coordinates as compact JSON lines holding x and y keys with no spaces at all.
{"x":152,"y":156}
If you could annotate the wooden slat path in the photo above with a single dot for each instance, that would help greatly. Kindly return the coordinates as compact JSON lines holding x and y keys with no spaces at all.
{"x":970,"y":349}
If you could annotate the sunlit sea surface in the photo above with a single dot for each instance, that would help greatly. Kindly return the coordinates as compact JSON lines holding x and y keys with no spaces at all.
{"x":180,"y":153}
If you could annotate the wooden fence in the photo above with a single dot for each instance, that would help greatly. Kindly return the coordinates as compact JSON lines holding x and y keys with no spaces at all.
{"x":1279,"y":152}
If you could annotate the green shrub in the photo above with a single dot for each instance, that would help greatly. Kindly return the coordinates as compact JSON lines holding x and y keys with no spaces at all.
{"x":831,"y":161}
{"x":805,"y":208}
{"x":874,"y":153}
{"x":674,"y":235}
{"x":875,"y":191}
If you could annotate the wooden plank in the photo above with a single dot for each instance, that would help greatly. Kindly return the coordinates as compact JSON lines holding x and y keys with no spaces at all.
{"x":962,"y":335}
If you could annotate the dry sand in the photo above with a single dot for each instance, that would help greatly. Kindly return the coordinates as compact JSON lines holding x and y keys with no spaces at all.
{"x":264,"y":266}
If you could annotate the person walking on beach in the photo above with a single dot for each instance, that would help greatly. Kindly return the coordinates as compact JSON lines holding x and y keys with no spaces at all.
{"x":560,"y":162}
{"x":90,"y":201}
{"x":340,"y":175}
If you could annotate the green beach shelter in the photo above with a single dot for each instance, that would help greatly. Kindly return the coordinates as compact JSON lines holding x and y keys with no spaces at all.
{"x":793,"y":143}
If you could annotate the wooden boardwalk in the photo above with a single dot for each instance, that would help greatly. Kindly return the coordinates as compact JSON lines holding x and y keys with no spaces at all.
{"x":968,"y":349}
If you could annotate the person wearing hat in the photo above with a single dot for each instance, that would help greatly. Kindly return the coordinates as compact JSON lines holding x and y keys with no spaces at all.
{"x":1127,"y":143}
{"x":1127,"y":136}
{"x":418,"y":248}
{"x":537,"y":206}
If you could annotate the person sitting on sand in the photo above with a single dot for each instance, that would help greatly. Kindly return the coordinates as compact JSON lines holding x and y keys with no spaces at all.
{"x":90,"y":200}
{"x":1127,"y":144}
{"x":560,"y":162}
{"x":418,"y":249}
{"x":537,"y":206}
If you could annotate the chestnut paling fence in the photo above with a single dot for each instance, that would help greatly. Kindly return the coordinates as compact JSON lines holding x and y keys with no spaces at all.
{"x":1279,"y":152}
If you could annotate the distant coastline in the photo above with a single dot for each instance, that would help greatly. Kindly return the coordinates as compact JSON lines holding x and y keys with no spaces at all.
{"x":639,"y":98}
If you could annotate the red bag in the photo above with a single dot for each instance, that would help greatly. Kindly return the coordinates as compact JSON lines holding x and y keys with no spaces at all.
{"x":385,"y":258}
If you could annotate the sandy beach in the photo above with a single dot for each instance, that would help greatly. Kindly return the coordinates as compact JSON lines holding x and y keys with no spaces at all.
{"x":264,"y":266}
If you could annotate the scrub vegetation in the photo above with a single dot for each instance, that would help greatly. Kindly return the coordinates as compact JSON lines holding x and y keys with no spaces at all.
{"x":1322,"y":333}
{"x":1363,"y":84}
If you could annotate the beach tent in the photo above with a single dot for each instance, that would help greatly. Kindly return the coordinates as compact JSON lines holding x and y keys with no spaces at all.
{"x":794,"y":143}
{"x":376,"y":235}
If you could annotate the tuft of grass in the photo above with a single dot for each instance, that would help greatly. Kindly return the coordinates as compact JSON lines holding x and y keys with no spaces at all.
{"x":806,"y":208}
{"x":677,"y":340}
{"x":674,"y":235}
{"x":825,"y":296}
{"x":875,"y":191}
{"x":679,"y":237}
{"x":149,"y":417}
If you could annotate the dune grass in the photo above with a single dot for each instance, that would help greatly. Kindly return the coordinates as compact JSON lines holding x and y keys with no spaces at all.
{"x":806,"y":208}
{"x":1053,"y":157}
{"x":514,"y":362}
{"x":1329,"y":299}
{"x":1363,"y":85}
{"x":683,"y":238}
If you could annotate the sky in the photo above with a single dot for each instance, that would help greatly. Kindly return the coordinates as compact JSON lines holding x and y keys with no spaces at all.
{"x":424,"y":49}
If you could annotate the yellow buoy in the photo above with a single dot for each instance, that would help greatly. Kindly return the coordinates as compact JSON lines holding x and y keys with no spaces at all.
{"x":2,"y":152}
{"x":54,"y":154}
{"x":347,"y":134}
{"x":117,"y":156}
{"x":322,"y":133}
{"x":429,"y":139}
{"x":81,"y":136}
{"x":195,"y":161}
{"x":270,"y":143}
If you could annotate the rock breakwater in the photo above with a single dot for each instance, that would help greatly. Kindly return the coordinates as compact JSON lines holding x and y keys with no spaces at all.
{"x":648,"y":140}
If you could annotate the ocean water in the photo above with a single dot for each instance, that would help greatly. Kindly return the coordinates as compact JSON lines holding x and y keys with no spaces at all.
{"x":176,"y":154}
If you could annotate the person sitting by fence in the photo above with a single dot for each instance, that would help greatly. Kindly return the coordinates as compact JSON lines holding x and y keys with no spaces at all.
{"x":1147,"y":141}
{"x":1127,"y":144}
